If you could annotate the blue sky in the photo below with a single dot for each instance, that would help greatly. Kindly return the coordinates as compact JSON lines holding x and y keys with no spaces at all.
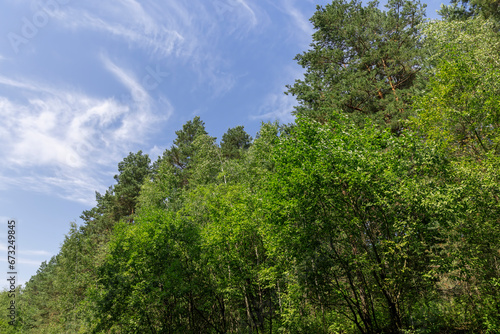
{"x":83,"y":83}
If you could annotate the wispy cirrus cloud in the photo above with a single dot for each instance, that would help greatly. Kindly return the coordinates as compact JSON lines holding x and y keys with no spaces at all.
{"x":64,"y":142}
{"x":298,"y":17}
{"x":152,"y":37}
{"x":25,"y":261}
{"x":27,"y":252}
{"x":277,"y":106}
{"x":24,"y":257}
{"x":250,"y":12}
{"x":171,"y":30}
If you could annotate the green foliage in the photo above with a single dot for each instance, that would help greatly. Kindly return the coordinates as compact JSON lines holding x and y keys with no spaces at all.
{"x":180,"y":154}
{"x":207,"y":162}
{"x":207,"y":231}
{"x":234,"y":254}
{"x":322,"y":226}
{"x":163,"y":190}
{"x":39,"y":302}
{"x":315,"y":228}
{"x":5,"y":320}
{"x":464,"y":9}
{"x":260,"y":154}
{"x":360,"y":215}
{"x":147,"y":283}
{"x":461,"y":106}
{"x":134,"y":169}
{"x":363,"y":62}
{"x":474,"y":244}
{"x":54,"y":300}
{"x":233,"y":141}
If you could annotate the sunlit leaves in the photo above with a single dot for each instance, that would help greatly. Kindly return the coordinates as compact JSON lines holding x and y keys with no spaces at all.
{"x":461,"y":107}
{"x":349,"y":208}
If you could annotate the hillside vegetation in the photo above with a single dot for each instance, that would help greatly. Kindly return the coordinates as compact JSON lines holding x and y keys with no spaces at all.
{"x":376,"y":211}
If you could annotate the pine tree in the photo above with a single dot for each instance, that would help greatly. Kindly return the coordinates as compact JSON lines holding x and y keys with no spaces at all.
{"x":181,"y":153}
{"x":233,"y":141}
{"x":363,"y":61}
{"x":133,"y":170}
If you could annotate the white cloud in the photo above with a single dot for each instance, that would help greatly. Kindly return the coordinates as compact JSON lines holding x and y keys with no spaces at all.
{"x":125,"y":19}
{"x":34,"y":253}
{"x":36,"y":263}
{"x":25,"y":258}
{"x":23,"y":253}
{"x":160,"y":39}
{"x":155,"y":152}
{"x":171,"y":29}
{"x":138,"y":92}
{"x":17,"y":84}
{"x":253,"y":17}
{"x":298,"y":17}
{"x":66,"y":143}
{"x":277,"y":106}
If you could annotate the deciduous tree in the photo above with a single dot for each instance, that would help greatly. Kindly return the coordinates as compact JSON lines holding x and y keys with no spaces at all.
{"x":461,"y":104}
